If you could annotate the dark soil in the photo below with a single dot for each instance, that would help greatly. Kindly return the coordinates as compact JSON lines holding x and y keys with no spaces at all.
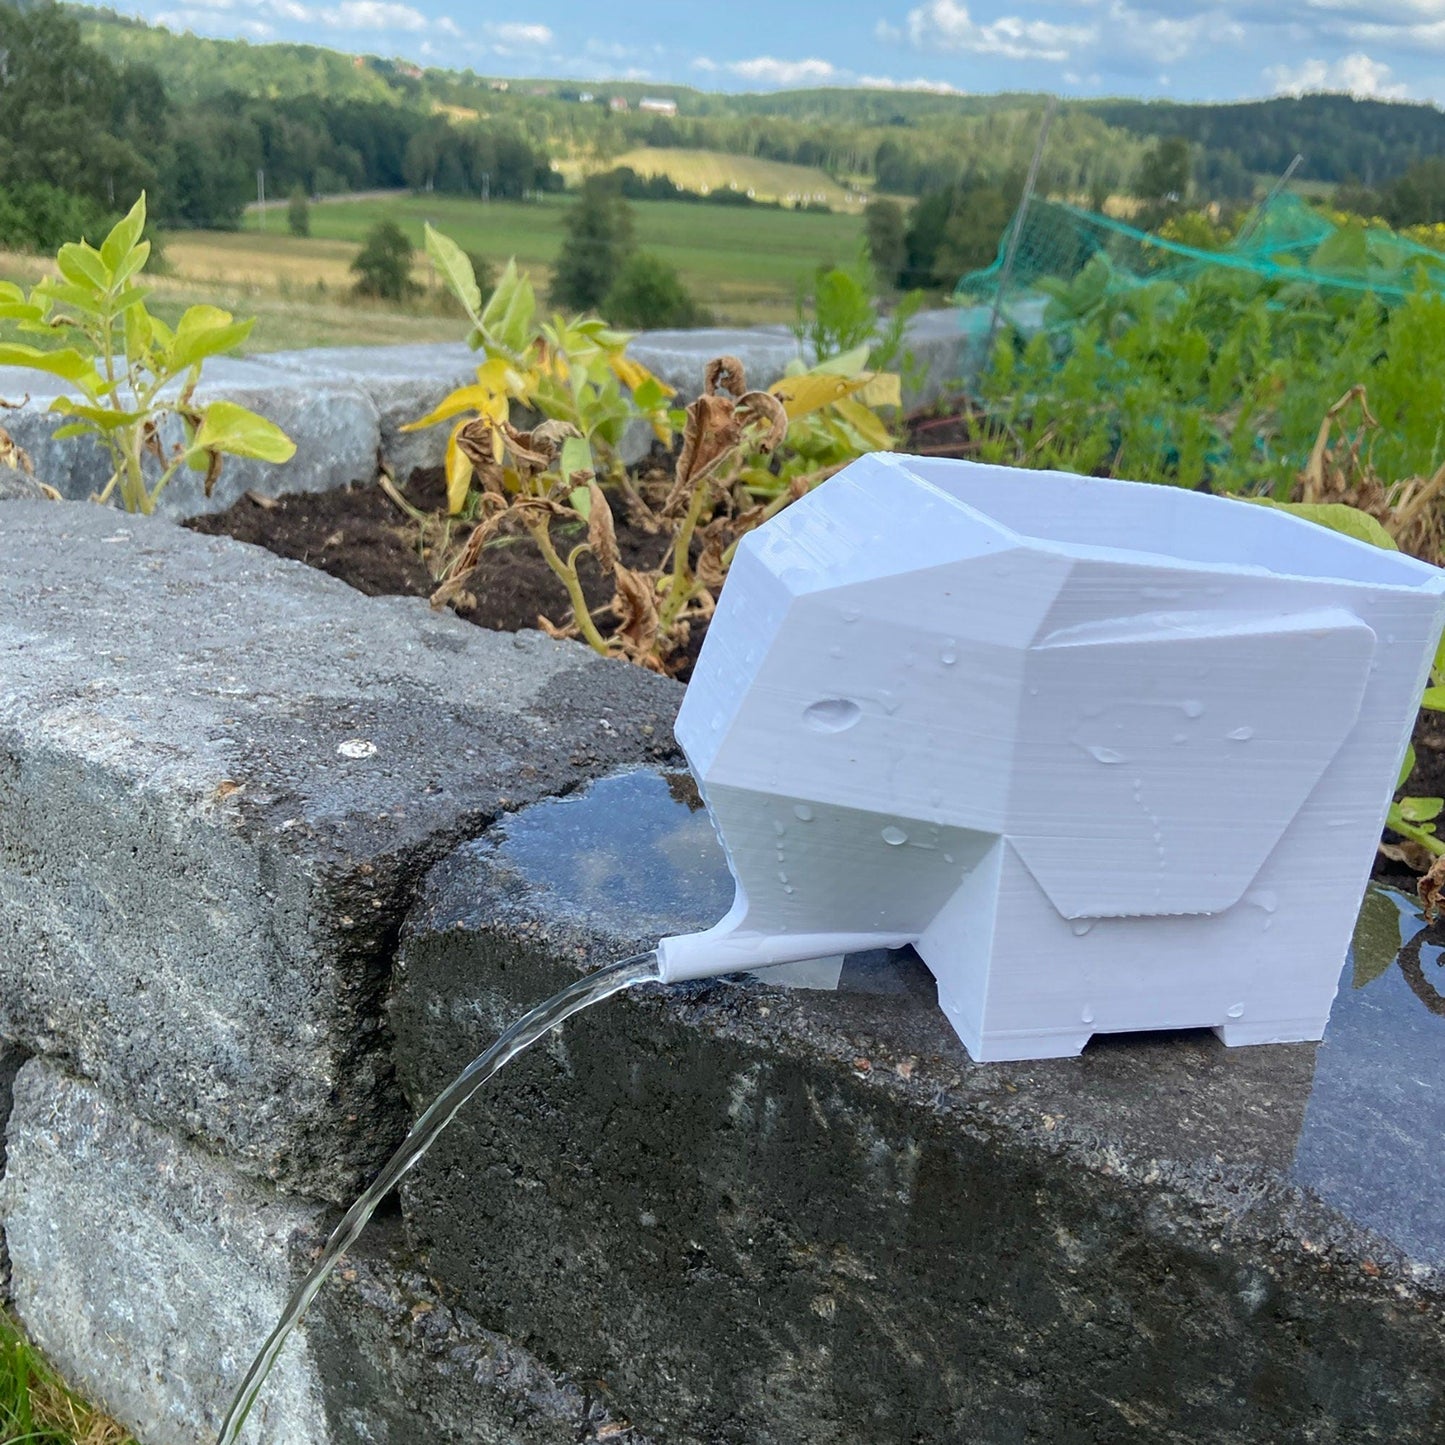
{"x":360,"y":535}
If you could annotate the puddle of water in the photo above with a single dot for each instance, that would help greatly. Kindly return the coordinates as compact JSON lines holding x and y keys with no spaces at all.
{"x":1374,"y":1125}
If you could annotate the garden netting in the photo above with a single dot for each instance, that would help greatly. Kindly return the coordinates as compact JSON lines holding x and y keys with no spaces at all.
{"x":1286,"y":241}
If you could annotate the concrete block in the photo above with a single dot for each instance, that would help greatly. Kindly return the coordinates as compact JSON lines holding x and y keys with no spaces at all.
{"x":146,"y":1273}
{"x":680,"y":357}
{"x":759,"y":1216}
{"x":150,"y":1273}
{"x":335,"y":426}
{"x":222,"y":777}
{"x":403,"y":383}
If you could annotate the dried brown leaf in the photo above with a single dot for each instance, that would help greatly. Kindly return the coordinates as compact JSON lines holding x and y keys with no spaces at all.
{"x":476,"y":442}
{"x":712,"y":431}
{"x":762,"y":408}
{"x":635,"y":606}
{"x":1415,"y":856}
{"x":537,"y":449}
{"x":260,"y":499}
{"x":14,"y":455}
{"x":545,"y":624}
{"x":601,"y":534}
{"x":214,"y":462}
{"x":725,"y":373}
{"x":1432,"y":890}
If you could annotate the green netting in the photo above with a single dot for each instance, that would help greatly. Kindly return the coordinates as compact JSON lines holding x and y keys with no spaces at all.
{"x":1285,"y":241}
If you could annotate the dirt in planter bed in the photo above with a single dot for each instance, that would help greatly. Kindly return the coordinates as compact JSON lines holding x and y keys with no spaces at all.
{"x":358,"y":534}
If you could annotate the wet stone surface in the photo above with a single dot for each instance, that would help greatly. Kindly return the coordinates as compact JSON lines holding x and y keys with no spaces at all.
{"x":765,"y":1215}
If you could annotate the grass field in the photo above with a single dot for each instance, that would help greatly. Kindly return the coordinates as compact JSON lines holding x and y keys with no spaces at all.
{"x":35,"y":1405}
{"x":744,"y":264}
{"x":696,"y":170}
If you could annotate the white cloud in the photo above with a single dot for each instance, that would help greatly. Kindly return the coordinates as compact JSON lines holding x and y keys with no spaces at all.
{"x":770,"y":71}
{"x":1355,"y":74}
{"x":517,"y":33}
{"x":703,"y":63}
{"x":886,"y":82}
{"x":371,"y":15}
{"x":947,"y":25}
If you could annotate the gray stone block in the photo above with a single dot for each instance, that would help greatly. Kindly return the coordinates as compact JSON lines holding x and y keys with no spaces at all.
{"x":680,"y":357}
{"x":146,"y":1273}
{"x":18,"y":486}
{"x":403,"y":383}
{"x":222,"y":776}
{"x":760,"y":1216}
{"x":335,"y":426}
{"x":150,"y":1273}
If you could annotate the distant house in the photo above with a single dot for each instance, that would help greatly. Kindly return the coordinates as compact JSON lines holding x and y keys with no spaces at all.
{"x":498,"y":85}
{"x":618,"y":103}
{"x":586,"y":98}
{"x":412,"y":72}
{"x":657,"y":107}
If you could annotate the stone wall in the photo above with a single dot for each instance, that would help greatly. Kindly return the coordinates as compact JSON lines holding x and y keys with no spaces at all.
{"x":277,"y":860}
{"x":344,"y":407}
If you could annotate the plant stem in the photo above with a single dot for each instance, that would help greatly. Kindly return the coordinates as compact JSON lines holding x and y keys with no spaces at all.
{"x":681,"y":585}
{"x":1397,"y":824}
{"x":581,"y":613}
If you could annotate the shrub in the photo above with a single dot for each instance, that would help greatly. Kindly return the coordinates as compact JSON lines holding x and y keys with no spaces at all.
{"x":649,"y":293}
{"x":38,"y":217}
{"x":599,"y":242}
{"x":383,"y":265}
{"x":298,"y":213}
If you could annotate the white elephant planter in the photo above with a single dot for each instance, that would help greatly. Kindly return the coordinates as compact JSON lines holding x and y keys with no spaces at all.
{"x":1111,"y":756}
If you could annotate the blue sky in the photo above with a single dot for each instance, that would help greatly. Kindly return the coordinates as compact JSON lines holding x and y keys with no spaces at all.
{"x":1178,"y":48}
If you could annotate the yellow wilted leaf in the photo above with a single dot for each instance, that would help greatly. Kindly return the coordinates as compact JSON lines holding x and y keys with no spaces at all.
{"x":869,"y":425}
{"x":464,"y":398}
{"x":633,"y":374}
{"x":459,"y":473}
{"x":814,"y":390}
{"x":884,"y":388}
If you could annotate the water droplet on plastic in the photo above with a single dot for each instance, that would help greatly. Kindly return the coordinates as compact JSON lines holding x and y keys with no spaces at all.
{"x":1192,"y":707}
{"x":948,"y":658}
{"x":1105,"y":755}
{"x":1241,"y":735}
{"x":787,"y":888}
{"x":832,"y":715}
{"x":1181,"y":737}
{"x":1033,"y":692}
{"x":851,"y":614}
{"x":1088,"y":1014}
{"x":835,"y":652}
{"x":779,"y":827}
{"x":802,"y":812}
{"x":1237,"y":1011}
{"x":782,"y":877}
{"x":894,"y":835}
{"x":1081,"y":926}
{"x":948,"y":857}
{"x":1265,"y":898}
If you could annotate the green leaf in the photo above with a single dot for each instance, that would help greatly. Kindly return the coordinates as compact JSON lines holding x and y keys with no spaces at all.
{"x":226,"y":427}
{"x":577,"y":457}
{"x":1406,"y":768}
{"x":1434,"y":699}
{"x":456,"y":270}
{"x":205,"y":331}
{"x":123,"y":237}
{"x":67,"y":363}
{"x":580,"y":500}
{"x":1421,"y":810}
{"x":102,"y":417}
{"x":1376,"y":943}
{"x":138,"y":331}
{"x":131,"y":263}
{"x":81,"y":266}
{"x":1337,"y":516}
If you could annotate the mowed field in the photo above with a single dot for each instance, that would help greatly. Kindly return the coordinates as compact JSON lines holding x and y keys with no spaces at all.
{"x":744,"y":264}
{"x":699,"y":170}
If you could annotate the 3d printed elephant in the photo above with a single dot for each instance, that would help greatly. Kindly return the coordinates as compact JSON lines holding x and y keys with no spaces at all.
{"x":1111,"y":756}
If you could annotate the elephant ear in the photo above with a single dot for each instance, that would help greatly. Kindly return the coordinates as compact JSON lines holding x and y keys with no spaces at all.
{"x":1161,"y":758}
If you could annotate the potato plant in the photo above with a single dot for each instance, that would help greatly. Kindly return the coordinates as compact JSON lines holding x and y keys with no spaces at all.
{"x":130,"y":372}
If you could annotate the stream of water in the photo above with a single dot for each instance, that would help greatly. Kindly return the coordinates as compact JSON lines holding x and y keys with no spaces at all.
{"x":643,"y":968}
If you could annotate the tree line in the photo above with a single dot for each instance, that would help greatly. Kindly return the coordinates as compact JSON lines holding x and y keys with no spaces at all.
{"x":82,"y":134}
